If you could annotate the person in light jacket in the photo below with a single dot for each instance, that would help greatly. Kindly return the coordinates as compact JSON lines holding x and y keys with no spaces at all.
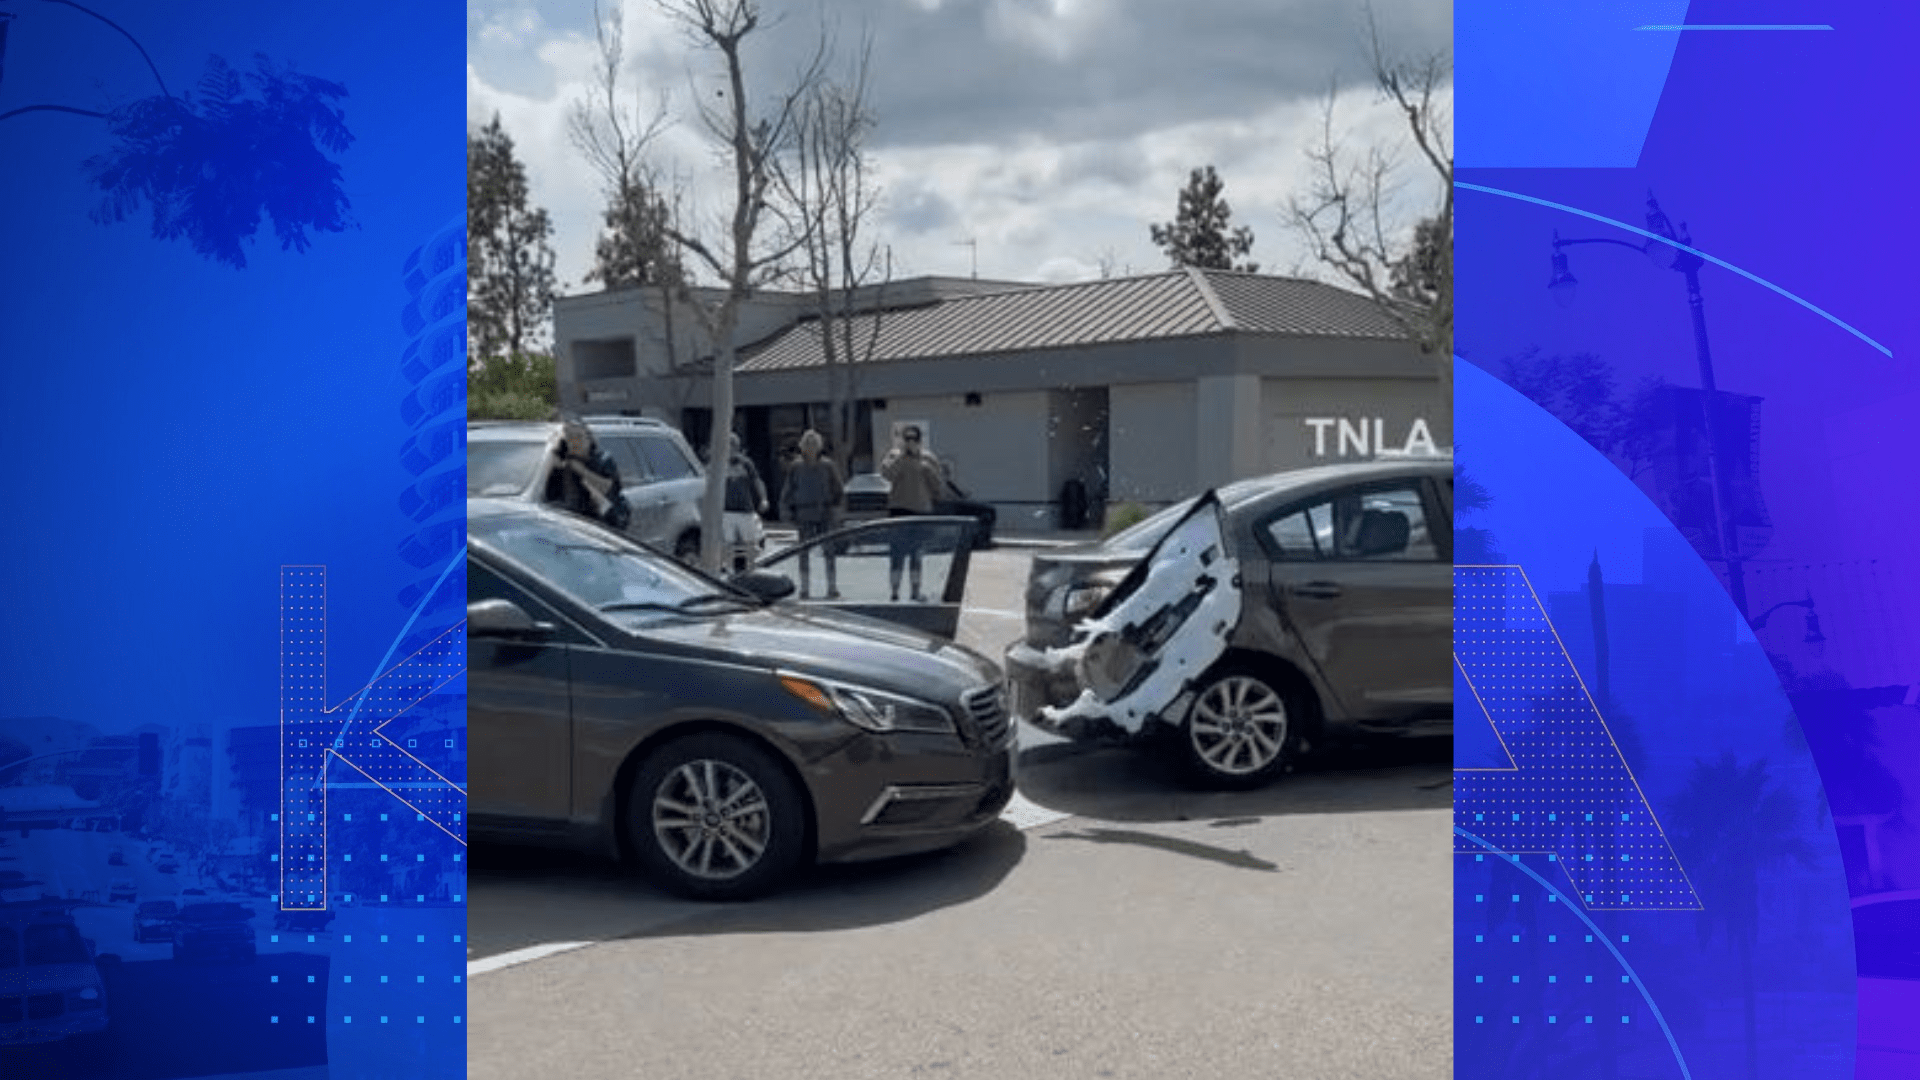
{"x":915,"y":479}
{"x":811,"y":498}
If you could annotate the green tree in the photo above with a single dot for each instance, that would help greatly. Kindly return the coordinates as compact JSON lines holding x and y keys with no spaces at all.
{"x":212,"y":163}
{"x":516,"y":387}
{"x":1582,"y":392}
{"x":1202,"y":233}
{"x":510,"y":280}
{"x":1472,"y":546}
{"x":1733,"y":826}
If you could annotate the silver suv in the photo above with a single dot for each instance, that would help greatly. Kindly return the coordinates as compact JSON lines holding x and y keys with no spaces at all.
{"x":659,"y":475}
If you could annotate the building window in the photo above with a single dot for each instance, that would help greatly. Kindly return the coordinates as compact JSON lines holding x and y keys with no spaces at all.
{"x":609,"y":359}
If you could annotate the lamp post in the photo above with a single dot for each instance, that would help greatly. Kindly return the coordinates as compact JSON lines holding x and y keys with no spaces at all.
{"x":1563,"y":285}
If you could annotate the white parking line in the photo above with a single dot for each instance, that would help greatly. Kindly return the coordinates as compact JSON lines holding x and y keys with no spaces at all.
{"x":997,"y":613}
{"x":522,"y":956}
{"x":1022,"y":813}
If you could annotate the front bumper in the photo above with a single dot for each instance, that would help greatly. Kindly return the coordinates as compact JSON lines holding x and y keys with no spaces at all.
{"x":883,"y":796}
{"x":29,"y":1031}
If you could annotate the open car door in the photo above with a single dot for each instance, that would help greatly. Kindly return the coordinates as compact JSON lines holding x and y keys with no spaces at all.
{"x":873,"y":568}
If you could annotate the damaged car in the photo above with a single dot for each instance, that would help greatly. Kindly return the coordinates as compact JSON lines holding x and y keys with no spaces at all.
{"x":1244,"y":626}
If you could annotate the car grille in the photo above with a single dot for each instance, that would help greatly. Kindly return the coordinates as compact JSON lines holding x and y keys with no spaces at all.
{"x":12,"y":1010}
{"x":987,"y":710}
{"x":45,"y":1006}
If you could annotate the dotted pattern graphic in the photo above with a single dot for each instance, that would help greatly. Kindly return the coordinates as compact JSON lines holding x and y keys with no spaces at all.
{"x":1570,"y":794}
{"x":1536,"y":977}
{"x":313,"y":735}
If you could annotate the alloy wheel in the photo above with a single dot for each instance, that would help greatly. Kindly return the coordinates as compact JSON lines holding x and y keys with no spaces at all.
{"x":711,"y":819}
{"x":1238,"y":726}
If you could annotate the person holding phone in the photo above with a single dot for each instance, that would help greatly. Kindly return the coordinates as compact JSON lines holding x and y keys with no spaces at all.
{"x":585,"y":479}
{"x":915,"y":481}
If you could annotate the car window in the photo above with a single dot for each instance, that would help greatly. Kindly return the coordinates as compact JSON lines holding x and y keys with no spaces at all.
{"x":53,"y":943}
{"x":1372,"y":525}
{"x":626,"y":454}
{"x":665,"y":460}
{"x":589,"y":563}
{"x":502,"y":468}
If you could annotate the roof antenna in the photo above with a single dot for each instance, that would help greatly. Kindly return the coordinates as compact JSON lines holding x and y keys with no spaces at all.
{"x":974,"y":244}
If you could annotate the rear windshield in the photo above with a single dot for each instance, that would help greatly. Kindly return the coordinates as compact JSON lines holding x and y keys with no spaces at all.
{"x":502,"y":468}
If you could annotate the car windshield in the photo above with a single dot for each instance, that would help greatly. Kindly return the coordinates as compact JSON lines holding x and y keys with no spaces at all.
{"x":50,"y":943}
{"x":595,"y":567}
{"x":502,"y":468}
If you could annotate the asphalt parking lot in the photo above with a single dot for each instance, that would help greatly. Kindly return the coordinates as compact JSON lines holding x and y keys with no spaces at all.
{"x":1114,"y":924}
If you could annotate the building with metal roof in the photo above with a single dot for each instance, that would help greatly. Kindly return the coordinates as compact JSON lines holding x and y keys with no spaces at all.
{"x":1147,"y":388}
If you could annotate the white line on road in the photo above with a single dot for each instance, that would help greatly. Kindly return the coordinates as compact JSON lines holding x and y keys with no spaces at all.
{"x":1022,"y":813}
{"x":521,"y":956}
{"x":998,"y":613}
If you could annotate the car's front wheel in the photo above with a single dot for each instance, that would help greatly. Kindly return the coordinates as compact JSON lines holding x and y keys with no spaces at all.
{"x":715,"y":817}
{"x":1240,"y":731}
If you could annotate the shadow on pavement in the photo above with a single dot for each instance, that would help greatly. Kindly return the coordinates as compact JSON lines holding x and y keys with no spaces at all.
{"x":1145,"y":784}
{"x":520,"y":897}
{"x":1241,"y":859}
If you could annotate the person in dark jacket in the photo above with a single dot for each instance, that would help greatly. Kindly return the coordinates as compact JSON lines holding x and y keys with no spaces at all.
{"x":585,"y":479}
{"x":811,"y":498}
{"x":746,"y":492}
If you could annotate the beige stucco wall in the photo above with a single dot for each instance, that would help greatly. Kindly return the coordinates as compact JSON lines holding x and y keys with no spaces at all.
{"x":997,"y":449}
{"x":1153,"y":441}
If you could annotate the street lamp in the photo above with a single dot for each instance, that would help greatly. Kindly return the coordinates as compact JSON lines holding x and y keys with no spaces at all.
{"x":1664,"y":253}
{"x":1814,"y":636}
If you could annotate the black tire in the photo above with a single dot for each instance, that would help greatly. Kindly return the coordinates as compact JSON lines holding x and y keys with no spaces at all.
{"x":1242,"y":730}
{"x":713,"y":858}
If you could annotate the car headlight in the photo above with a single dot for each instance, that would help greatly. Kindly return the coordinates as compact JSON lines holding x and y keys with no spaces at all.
{"x":1076,"y":599}
{"x":85,"y":998}
{"x":865,"y":707}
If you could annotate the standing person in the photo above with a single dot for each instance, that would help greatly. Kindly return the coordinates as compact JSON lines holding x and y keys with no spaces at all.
{"x":746,"y":492}
{"x":585,"y":479}
{"x":811,"y":498}
{"x":915,"y":479}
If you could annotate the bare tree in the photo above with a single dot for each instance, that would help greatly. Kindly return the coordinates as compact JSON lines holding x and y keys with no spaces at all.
{"x":634,"y":249}
{"x":825,"y":180}
{"x":741,"y":256}
{"x":1349,"y":215}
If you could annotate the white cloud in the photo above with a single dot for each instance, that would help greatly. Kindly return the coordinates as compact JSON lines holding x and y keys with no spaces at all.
{"x":1039,"y":204}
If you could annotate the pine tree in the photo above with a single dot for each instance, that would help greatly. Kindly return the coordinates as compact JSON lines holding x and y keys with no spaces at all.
{"x":510,"y":280}
{"x":1202,"y":234}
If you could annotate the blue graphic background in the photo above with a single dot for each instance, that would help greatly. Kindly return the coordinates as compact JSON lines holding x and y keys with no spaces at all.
{"x":1777,"y":152}
{"x":179,"y":430}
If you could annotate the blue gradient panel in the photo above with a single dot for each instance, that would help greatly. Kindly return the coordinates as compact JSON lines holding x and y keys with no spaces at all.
{"x":1779,"y":156}
{"x":232,"y":271}
{"x":1569,"y":793}
{"x":1577,"y":84}
{"x":1625,"y":868}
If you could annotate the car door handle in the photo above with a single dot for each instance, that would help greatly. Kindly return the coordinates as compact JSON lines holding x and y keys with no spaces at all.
{"x":1316,"y":590}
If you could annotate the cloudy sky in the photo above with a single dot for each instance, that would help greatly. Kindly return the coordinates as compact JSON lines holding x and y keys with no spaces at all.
{"x":1050,"y":133}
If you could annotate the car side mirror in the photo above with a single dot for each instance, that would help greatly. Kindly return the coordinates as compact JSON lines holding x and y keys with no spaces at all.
{"x":504,"y":619}
{"x":765,"y":584}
